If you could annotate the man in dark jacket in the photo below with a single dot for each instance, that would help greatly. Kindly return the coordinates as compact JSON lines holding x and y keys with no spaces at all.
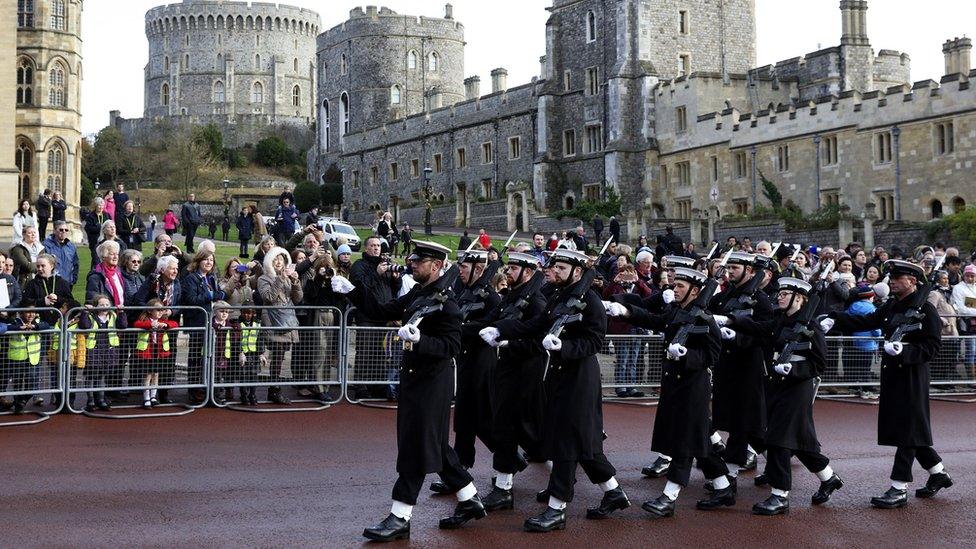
{"x":464,"y":241}
{"x":903,"y":413}
{"x":191,"y":218}
{"x":43,"y":213}
{"x":579,"y":239}
{"x":598,"y":227}
{"x":615,"y":229}
{"x":372,"y":271}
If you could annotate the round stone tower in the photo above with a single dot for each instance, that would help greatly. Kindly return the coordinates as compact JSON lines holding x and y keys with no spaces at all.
{"x":379,"y":66}
{"x":231,"y":62}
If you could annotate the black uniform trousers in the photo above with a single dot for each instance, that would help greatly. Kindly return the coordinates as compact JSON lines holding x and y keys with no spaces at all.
{"x":408,"y":485}
{"x":680,"y":470}
{"x":778,"y":465}
{"x":927,"y":457}
{"x":563,"y":475}
{"x":737,"y":448}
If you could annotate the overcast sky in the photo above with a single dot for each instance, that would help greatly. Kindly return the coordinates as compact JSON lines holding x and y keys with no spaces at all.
{"x":511,"y":34}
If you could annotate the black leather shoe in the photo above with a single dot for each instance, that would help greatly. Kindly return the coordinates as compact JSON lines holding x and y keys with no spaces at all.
{"x":657,"y":469}
{"x":750,"y":463}
{"x":718,"y":447}
{"x":465,"y":511}
{"x":661,"y":507}
{"x":773,"y":505}
{"x":761,"y":480}
{"x":104,"y":406}
{"x":635,"y":394}
{"x":827,"y":488}
{"x":542,"y":496}
{"x":892,"y":499}
{"x":550,"y":519}
{"x":439,"y":488}
{"x":719,"y":498}
{"x":935,"y":483}
{"x":392,"y":527}
{"x":498,"y":499}
{"x":613,"y":500}
{"x":733,"y":483}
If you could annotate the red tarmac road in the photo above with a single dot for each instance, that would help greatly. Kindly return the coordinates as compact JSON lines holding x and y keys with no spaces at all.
{"x":223,"y":478}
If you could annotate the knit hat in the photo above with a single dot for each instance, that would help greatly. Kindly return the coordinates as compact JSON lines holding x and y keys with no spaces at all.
{"x":864,"y":291}
{"x":343,"y":249}
{"x":970,"y":269}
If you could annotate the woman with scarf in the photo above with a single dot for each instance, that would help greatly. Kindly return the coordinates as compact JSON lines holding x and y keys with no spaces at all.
{"x":199,"y":291}
{"x":25,"y":255}
{"x":106,"y":277}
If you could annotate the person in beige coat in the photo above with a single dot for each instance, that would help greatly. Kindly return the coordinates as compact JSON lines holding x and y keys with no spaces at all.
{"x":280,"y":289}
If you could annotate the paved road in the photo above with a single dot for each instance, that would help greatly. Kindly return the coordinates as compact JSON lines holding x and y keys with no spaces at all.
{"x":223,"y":478}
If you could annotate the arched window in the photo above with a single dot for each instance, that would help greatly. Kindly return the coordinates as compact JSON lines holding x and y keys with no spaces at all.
{"x":411,"y":59}
{"x":24,"y":158}
{"x":570,"y":202}
{"x":25,"y":14}
{"x":257,"y":93}
{"x":220,"y":61}
{"x":344,"y":113}
{"x":58,"y":15}
{"x":296,"y":96}
{"x":55,"y":168}
{"x":590,"y":26}
{"x":257,"y":40}
{"x":325,"y":122}
{"x":343,"y":64}
{"x":165,"y":64}
{"x":164,"y":95}
{"x":186,"y":61}
{"x":958,"y":205}
{"x":257,"y":61}
{"x":25,"y":81}
{"x":218,"y":92}
{"x":395,"y":95}
{"x":56,"y":95}
{"x":432,"y":61}
{"x":296,"y":65}
{"x":936,"y":209}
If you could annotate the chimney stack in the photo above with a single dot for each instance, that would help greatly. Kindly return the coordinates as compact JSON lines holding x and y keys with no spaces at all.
{"x":448,"y":11}
{"x":472,"y":87}
{"x":958,"y":58}
{"x":499,"y":80}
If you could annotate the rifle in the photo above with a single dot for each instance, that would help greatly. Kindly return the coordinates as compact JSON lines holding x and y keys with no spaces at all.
{"x":688,"y":319}
{"x":442,"y":291}
{"x":507,"y":242}
{"x":911,"y":320}
{"x":515,"y":309}
{"x":802,"y":325}
{"x":479,"y":291}
{"x":572,"y":309}
{"x":745,"y":301}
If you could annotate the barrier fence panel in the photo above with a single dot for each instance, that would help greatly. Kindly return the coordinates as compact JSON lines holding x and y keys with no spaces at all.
{"x":153,"y":359}
{"x":30,"y":365}
{"x":259,"y":354}
{"x":372,"y":361}
{"x":630,"y":365}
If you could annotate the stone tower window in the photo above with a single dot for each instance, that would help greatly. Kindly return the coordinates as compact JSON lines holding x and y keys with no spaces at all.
{"x":683,"y":22}
{"x":56,"y":94}
{"x":514,"y":148}
{"x":432,"y":61}
{"x":395,"y":95}
{"x":594,"y":138}
{"x":326,"y":124}
{"x":882,"y":148}
{"x":741,"y":165}
{"x":296,"y":96}
{"x":165,"y":64}
{"x":55,"y":168}
{"x":218,"y":92}
{"x":24,"y":158}
{"x":487,"y":156}
{"x":220,"y":61}
{"x":186,"y":40}
{"x":295,"y":65}
{"x":411,"y":60}
{"x":783,"y":158}
{"x":936,"y":206}
{"x":186,"y":62}
{"x":681,"y":119}
{"x":684,"y":65}
{"x":257,"y":40}
{"x":257,"y":61}
{"x":569,"y":143}
{"x":25,"y":14}
{"x":829,"y":154}
{"x":25,"y":81}
{"x":945,"y":139}
{"x":592,"y":81}
{"x":344,"y":113}
{"x":590,"y":26}
{"x":958,"y":205}
{"x":58,"y":15}
{"x":257,"y":93}
{"x":164,"y":95}
{"x":343,"y":64}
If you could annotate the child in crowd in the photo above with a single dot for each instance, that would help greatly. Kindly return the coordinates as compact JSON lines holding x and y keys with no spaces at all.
{"x":226,"y":340}
{"x":102,"y":344}
{"x":24,"y":352}
{"x":862,"y":351}
{"x":250,"y":361}
{"x":152,"y":347}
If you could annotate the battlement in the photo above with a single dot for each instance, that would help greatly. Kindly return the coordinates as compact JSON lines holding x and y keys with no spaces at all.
{"x":373,"y":20}
{"x":210,"y":14}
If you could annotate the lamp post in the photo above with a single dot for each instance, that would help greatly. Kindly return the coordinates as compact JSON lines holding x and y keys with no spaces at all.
{"x":896,"y":135}
{"x":138,"y":200}
{"x":226,"y":197}
{"x":427,"y":192}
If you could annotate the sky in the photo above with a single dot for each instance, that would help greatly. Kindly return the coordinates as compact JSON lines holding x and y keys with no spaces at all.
{"x":511,"y":34}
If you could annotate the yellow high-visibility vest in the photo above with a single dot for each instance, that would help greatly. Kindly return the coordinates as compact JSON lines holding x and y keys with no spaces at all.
{"x":142,"y":342}
{"x":113,"y":336}
{"x":249,"y":337}
{"x":25,"y":347}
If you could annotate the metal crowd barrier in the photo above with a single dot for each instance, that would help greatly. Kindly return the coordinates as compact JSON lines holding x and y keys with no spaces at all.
{"x":372,"y":361}
{"x":630,"y":367}
{"x":307,"y":358}
{"x":30,"y":366}
{"x":115,"y":365}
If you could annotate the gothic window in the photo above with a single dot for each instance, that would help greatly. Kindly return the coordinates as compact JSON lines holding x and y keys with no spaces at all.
{"x":296,"y":96}
{"x":958,"y":205}
{"x":411,"y":59}
{"x":432,"y":60}
{"x":326,"y":123}
{"x":783,"y":158}
{"x":395,"y":95}
{"x":56,"y":87}
{"x":218,"y":92}
{"x":58,"y":13}
{"x":25,"y":14}
{"x":164,"y":95}
{"x":55,"y":168}
{"x":590,"y":26}
{"x":220,"y":61}
{"x":344,"y":113}
{"x":25,"y":81}
{"x":165,"y":64}
{"x":257,"y":93}
{"x":257,"y":61}
{"x":24,"y":158}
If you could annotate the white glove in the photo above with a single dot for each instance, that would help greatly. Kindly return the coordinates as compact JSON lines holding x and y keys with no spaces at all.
{"x":606,"y":305}
{"x":894,"y":348}
{"x":490,"y":335}
{"x":721,"y":320}
{"x":827,"y":324}
{"x":552,"y":343}
{"x":341,"y":285}
{"x":668,"y":296}
{"x":783,"y":369}
{"x":727,"y":333}
{"x":409,"y":332}
{"x":677,"y":350}
{"x":616,"y":309}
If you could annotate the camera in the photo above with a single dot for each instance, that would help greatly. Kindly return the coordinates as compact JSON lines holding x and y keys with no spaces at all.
{"x":170,"y":249}
{"x":394,"y":268}
{"x":241,"y":269}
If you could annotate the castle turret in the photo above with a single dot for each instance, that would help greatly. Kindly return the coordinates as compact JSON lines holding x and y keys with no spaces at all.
{"x":958,"y":55}
{"x":855,"y":23}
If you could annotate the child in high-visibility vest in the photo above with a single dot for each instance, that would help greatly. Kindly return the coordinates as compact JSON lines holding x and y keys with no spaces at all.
{"x":226,"y":343}
{"x":76,"y":347}
{"x":102,"y":348}
{"x":152,"y":346}
{"x":250,"y":358}
{"x":24,"y":352}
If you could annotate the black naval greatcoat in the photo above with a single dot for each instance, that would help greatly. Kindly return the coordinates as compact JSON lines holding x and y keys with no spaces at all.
{"x":573,"y":425}
{"x":475,"y":369}
{"x":789,"y":398}
{"x":426,"y":378}
{"x":682,"y":425}
{"x":739,"y":396}
{"x":903,"y":407}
